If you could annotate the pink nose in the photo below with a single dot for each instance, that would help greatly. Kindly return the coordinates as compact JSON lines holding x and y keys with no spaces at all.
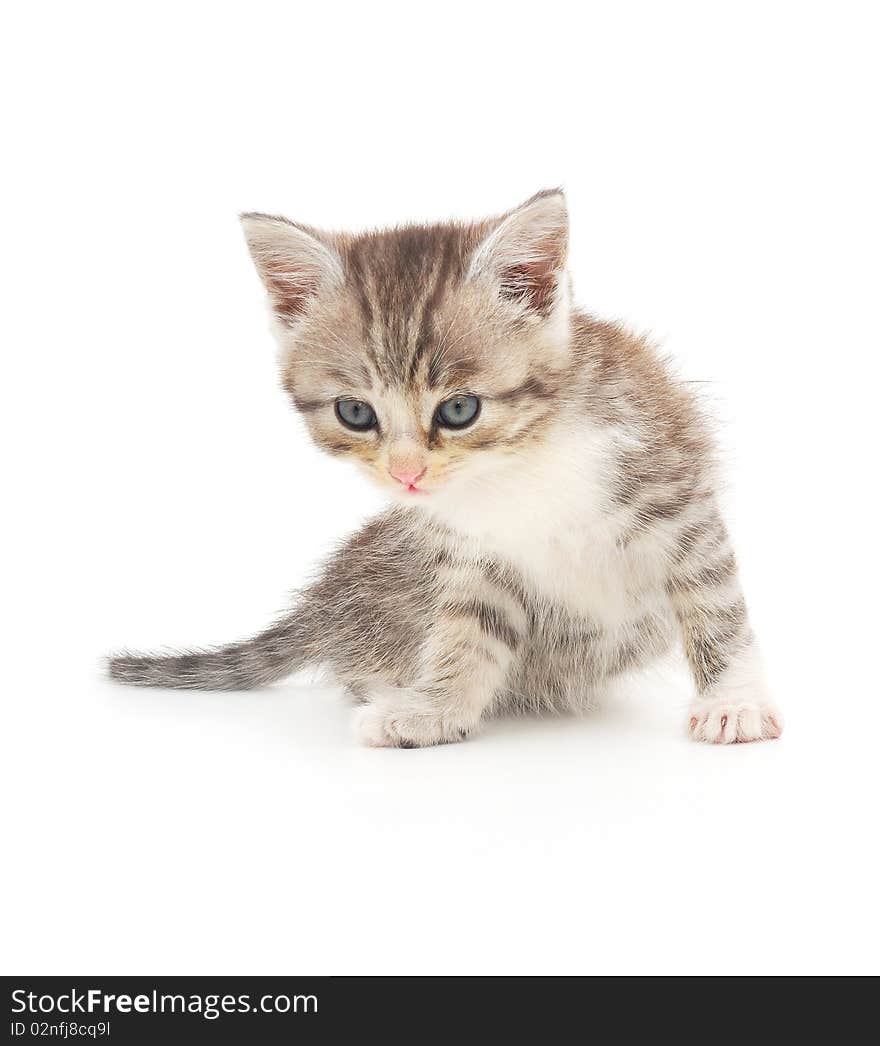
{"x":407,"y":475}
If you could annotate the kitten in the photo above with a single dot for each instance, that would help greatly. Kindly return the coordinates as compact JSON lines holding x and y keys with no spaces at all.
{"x":554,"y":518}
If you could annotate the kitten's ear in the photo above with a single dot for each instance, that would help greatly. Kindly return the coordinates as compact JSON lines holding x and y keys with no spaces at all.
{"x":526,"y":252}
{"x":294,"y":262}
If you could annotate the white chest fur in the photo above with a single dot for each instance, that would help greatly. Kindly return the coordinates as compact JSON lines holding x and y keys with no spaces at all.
{"x":546,"y":515}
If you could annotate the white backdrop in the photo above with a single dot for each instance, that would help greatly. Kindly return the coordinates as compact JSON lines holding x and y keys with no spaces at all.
{"x":721,"y":167}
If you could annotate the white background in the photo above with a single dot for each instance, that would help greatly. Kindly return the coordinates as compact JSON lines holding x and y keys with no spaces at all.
{"x":722,"y":173}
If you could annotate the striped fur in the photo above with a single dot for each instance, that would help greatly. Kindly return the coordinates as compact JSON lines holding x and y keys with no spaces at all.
{"x":570,"y":535}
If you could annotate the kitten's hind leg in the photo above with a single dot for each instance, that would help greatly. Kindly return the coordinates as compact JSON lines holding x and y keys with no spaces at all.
{"x":464,"y":664}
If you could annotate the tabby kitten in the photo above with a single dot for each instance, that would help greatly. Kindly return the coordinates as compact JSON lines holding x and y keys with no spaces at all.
{"x":554,"y":518}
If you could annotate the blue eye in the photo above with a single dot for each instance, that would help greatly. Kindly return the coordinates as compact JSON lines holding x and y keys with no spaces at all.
{"x":459,"y":412}
{"x":355,"y":414}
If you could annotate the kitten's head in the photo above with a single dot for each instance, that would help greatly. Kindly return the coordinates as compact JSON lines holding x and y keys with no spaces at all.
{"x":432,"y":355}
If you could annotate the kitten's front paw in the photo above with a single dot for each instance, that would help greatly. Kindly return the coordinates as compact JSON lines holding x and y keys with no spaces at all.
{"x":723,"y":721}
{"x":386,"y":726}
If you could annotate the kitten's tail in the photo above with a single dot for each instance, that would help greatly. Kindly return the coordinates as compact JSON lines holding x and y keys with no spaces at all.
{"x":265,"y":658}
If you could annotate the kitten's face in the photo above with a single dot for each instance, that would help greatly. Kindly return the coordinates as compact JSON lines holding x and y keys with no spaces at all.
{"x":431,"y":356}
